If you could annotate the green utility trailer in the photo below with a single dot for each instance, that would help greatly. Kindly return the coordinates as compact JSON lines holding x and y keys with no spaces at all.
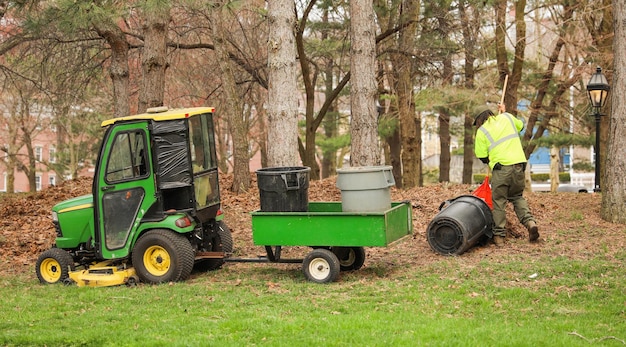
{"x":338,"y":238}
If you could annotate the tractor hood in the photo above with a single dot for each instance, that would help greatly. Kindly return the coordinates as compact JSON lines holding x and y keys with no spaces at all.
{"x":75,"y":221}
{"x":78,"y":203}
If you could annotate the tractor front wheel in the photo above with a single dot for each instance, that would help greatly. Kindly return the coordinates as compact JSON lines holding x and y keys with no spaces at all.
{"x":54,"y":266}
{"x":162,"y":256}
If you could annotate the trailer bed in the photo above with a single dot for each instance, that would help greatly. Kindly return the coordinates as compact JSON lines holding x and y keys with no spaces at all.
{"x":325,"y":224}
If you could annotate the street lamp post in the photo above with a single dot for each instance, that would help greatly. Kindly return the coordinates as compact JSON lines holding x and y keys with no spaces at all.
{"x":598,"y":89}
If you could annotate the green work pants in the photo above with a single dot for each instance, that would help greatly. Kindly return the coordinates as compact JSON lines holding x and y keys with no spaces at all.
{"x":507,"y":184}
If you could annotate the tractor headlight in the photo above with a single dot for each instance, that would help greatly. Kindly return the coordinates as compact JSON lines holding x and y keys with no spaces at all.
{"x":55,"y":217}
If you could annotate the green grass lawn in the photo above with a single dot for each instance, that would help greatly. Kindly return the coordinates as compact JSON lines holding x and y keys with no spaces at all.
{"x":512,"y":301}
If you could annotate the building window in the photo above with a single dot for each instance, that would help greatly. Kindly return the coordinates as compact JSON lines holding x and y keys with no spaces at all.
{"x":52,"y":180}
{"x":38,"y":182}
{"x":52,"y":155}
{"x":38,"y":153}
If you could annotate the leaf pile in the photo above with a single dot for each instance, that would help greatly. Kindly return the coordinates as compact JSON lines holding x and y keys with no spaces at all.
{"x":26,"y":228}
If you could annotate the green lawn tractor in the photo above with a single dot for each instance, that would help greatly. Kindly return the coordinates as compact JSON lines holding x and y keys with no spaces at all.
{"x":154,"y":212}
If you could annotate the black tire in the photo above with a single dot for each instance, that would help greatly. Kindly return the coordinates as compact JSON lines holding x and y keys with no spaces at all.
{"x":223,"y":242}
{"x":162,"y":256}
{"x":54,"y":266}
{"x":321,"y":266}
{"x":350,"y":258}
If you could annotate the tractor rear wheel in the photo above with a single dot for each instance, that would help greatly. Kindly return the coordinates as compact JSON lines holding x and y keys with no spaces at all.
{"x":223,"y":242}
{"x":162,"y":256}
{"x":54,"y":266}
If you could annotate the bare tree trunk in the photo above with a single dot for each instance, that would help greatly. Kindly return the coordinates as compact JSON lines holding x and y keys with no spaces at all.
{"x":444,"y":113}
{"x":309,"y":79}
{"x":468,"y":153}
{"x":614,"y":186}
{"x":11,"y":152}
{"x":365,"y":150}
{"x":282,"y":108}
{"x":234,"y":109}
{"x":394,"y":141}
{"x":444,"y":145}
{"x":118,"y":70}
{"x":554,"y":168}
{"x":411,"y":152}
{"x":330,"y":122}
{"x":261,"y":118}
{"x":154,"y":56}
{"x":470,"y":29}
{"x":29,"y":169}
{"x":515,"y":74}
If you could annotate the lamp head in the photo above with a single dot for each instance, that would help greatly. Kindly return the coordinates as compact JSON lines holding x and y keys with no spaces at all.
{"x":598,"y":89}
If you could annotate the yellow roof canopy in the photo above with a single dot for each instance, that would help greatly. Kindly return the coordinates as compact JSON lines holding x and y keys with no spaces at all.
{"x":162,"y":113}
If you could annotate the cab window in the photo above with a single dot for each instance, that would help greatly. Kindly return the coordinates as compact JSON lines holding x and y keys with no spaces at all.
{"x":128,"y":157}
{"x":201,"y":142}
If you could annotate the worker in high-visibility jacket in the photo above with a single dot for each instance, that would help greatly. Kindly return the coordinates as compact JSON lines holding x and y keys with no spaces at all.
{"x":498,"y":144}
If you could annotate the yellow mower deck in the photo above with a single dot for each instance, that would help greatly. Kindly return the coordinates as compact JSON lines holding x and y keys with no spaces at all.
{"x":103,"y":275}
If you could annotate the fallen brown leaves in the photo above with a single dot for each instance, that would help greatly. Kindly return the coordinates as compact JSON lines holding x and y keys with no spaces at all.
{"x":26,"y":228}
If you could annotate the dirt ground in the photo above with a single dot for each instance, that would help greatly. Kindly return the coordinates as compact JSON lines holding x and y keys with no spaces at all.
{"x":570,"y":224}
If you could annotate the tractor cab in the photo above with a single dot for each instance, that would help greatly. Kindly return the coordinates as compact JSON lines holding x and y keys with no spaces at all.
{"x":152,"y":166}
{"x":155,"y":202}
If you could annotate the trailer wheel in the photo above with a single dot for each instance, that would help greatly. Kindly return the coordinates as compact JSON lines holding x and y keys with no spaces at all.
{"x":54,"y":266}
{"x":350,"y":258}
{"x":162,"y":256}
{"x":321,"y":266}
{"x":223,"y":242}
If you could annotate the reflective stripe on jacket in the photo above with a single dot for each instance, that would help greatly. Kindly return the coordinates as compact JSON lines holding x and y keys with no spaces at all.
{"x":498,"y":138}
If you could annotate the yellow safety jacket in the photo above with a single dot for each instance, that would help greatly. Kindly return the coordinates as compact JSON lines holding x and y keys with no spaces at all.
{"x":498,"y":138}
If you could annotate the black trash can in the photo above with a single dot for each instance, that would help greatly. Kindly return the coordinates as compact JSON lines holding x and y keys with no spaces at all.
{"x":284,"y":189}
{"x":460,"y":223}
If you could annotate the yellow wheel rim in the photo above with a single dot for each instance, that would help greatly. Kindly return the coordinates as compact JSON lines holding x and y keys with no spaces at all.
{"x":157,"y":260}
{"x":50,"y":270}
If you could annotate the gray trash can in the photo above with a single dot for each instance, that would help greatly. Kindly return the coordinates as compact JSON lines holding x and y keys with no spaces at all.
{"x":365,"y":188}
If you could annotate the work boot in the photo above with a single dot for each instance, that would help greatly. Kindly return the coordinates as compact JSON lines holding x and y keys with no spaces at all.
{"x":498,"y":240}
{"x":533,"y":231}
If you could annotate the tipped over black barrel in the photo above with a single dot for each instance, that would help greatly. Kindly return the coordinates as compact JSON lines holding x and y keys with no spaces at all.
{"x":460,"y":223}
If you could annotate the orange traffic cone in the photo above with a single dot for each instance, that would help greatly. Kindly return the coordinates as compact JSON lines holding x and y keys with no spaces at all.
{"x":484,"y":192}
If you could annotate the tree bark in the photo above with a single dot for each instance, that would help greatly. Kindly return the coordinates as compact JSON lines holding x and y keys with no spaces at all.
{"x":365,"y":149}
{"x":444,"y":145}
{"x":470,"y":29}
{"x":234,"y":109}
{"x":282,"y":108}
{"x":515,"y":74}
{"x":154,"y":56}
{"x":118,"y":70}
{"x":308,"y":79}
{"x":330,"y":126}
{"x":614,"y":185}
{"x":555,"y":161}
{"x":410,"y":138}
{"x":444,"y":112}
